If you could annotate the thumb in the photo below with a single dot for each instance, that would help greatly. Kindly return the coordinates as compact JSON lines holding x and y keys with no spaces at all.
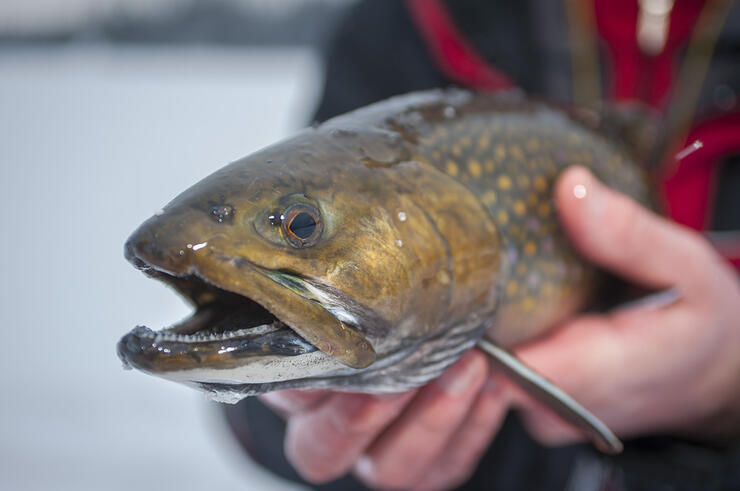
{"x":618,"y":234}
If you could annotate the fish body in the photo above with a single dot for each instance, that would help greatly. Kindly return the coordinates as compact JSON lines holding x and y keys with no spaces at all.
{"x":370,"y":252}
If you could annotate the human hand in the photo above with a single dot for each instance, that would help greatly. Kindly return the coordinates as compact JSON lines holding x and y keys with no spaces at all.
{"x":673,"y":368}
{"x":428,"y":438}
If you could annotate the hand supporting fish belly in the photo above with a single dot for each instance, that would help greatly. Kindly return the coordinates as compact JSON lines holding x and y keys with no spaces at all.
{"x":371,"y":252}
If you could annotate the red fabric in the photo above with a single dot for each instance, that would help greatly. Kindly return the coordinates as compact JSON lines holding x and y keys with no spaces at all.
{"x":687,"y":186}
{"x":633,"y":75}
{"x":452,"y":53}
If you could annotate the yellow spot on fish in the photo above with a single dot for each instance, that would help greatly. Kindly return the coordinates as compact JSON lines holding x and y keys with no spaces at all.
{"x":466,"y":141}
{"x":504,"y":182}
{"x":443,"y":277}
{"x":489,"y":198}
{"x":503,"y":217}
{"x":456,"y":150}
{"x":543,"y":210}
{"x":511,"y":288}
{"x":474,"y":168}
{"x":532,"y":200}
{"x":436,"y":155}
{"x":540,"y":184}
{"x":500,"y":152}
{"x":490,"y":165}
{"x":532,"y":145}
{"x":451,"y":168}
{"x":547,"y":289}
{"x":523,"y":181}
{"x":519,"y":207}
{"x":527,"y":303}
{"x":521,"y":268}
{"x":530,"y":248}
{"x":516,"y":152}
{"x":484,"y":142}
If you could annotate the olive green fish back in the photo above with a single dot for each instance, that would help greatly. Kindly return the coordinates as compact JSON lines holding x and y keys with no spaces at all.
{"x":509,"y":155}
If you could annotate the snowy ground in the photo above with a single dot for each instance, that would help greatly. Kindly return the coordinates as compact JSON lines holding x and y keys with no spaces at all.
{"x":92,"y":141}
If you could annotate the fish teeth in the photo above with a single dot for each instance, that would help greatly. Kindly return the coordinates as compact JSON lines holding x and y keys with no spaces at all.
{"x":169,"y":336}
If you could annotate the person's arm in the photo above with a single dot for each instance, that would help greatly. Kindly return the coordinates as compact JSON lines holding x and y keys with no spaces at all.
{"x":673,"y":368}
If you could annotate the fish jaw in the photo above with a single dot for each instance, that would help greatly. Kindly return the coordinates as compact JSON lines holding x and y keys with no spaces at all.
{"x":233,"y":346}
{"x":244,"y":319}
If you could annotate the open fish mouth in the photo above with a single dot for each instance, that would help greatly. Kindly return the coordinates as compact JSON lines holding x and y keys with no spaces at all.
{"x":225,"y":330}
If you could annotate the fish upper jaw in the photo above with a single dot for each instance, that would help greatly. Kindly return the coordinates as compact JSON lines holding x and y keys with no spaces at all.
{"x":244,"y":318}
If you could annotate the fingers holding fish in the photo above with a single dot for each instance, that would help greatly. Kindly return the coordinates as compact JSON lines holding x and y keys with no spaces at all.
{"x":625,"y":365}
{"x":289,"y":402}
{"x":597,"y":218}
{"x":461,"y":455}
{"x":584,"y":357}
{"x":409,"y":448}
{"x":324,"y":442}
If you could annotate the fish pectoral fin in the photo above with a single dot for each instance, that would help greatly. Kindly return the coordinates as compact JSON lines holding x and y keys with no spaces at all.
{"x":553,"y":397}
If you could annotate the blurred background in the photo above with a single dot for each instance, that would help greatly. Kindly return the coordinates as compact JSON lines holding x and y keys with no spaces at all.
{"x":109,"y":108}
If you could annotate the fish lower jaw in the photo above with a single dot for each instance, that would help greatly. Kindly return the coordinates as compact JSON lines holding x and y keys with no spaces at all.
{"x":164,"y":335}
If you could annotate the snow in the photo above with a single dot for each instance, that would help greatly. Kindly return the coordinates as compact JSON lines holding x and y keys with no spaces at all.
{"x":93,"y":141}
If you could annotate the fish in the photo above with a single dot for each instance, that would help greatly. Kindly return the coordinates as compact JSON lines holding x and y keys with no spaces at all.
{"x":370,"y":252}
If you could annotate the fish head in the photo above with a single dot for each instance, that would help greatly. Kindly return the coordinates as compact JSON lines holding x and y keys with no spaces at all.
{"x":309,"y":259}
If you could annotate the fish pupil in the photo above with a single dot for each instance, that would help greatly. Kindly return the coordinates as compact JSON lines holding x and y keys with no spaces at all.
{"x":303,"y":225}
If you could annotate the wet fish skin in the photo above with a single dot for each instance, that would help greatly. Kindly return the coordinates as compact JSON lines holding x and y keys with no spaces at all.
{"x":508,"y":153}
{"x":438,"y":228}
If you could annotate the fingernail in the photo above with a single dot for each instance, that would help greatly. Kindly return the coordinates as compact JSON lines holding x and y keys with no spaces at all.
{"x":458,"y":379}
{"x":365,"y":468}
{"x":588,"y":190}
{"x":579,"y":191}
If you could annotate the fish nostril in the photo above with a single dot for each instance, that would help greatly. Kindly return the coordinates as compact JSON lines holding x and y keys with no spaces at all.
{"x":143,"y":249}
{"x":131,"y":252}
{"x":150,"y":247}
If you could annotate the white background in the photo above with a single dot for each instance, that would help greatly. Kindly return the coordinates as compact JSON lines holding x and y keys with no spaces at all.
{"x":92,"y":142}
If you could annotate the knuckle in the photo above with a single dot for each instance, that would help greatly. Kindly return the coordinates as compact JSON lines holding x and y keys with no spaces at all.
{"x":312,"y":472}
{"x":362,"y":416}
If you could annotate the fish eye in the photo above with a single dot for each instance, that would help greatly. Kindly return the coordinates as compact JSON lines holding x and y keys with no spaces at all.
{"x":302,"y":225}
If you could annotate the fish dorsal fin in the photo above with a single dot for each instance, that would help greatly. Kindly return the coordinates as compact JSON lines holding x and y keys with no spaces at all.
{"x":549,"y":394}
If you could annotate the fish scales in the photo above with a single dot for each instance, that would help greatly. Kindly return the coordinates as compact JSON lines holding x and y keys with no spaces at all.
{"x":509,"y":156}
{"x":370,"y":252}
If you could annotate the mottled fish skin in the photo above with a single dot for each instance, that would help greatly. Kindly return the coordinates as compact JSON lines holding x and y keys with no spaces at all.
{"x":438,"y":226}
{"x":509,"y":153}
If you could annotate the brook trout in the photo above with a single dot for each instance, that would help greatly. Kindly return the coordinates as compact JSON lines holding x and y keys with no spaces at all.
{"x":372,"y":251}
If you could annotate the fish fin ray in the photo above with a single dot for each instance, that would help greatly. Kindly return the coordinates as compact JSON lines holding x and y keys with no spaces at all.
{"x":553,"y":397}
